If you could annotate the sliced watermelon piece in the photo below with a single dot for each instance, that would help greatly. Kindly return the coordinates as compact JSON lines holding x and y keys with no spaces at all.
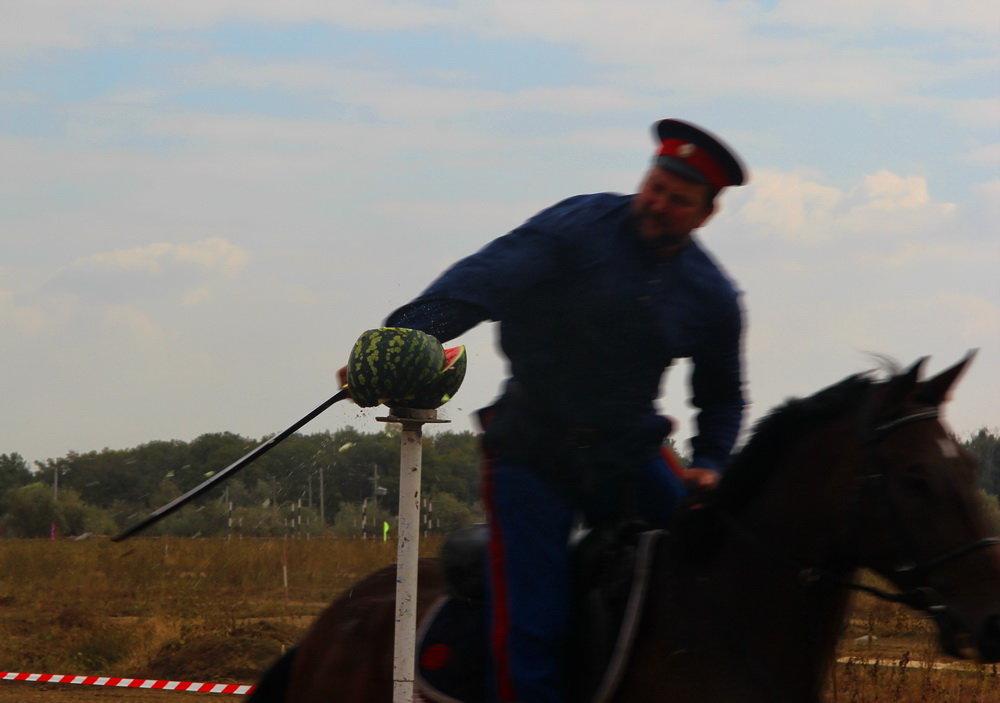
{"x":440,"y":390}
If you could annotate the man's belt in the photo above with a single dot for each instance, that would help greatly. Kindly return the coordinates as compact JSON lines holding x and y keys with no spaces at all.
{"x":582,"y":437}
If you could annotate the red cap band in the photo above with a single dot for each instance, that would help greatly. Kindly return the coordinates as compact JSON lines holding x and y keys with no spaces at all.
{"x":697,"y":158}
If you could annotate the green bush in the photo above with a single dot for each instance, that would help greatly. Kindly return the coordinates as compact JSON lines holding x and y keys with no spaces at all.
{"x":33,"y":510}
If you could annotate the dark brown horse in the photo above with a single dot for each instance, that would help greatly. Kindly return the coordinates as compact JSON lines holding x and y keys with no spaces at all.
{"x":747,"y":600}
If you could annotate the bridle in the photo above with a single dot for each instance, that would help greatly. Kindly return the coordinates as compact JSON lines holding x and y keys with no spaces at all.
{"x":916,"y":593}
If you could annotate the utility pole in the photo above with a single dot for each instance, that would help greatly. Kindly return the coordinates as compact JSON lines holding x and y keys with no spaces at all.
{"x":229,"y":506}
{"x":322,"y":499}
{"x":364,"y":519}
{"x":55,"y":501}
{"x":377,"y":491}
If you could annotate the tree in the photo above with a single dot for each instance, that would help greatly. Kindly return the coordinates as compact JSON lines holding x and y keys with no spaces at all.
{"x":985,"y":446}
{"x":992,"y":505}
{"x":31,"y":511}
{"x":453,"y":465}
{"x":448,"y":513}
{"x":101,"y":478}
{"x":348,"y":522}
{"x":14,"y":472}
{"x":308,"y":475}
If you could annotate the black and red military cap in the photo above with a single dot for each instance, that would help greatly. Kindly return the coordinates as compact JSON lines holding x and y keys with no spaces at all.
{"x":697,"y":155}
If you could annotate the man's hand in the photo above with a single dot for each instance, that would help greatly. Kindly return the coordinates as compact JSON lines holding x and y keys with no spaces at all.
{"x":699,"y":480}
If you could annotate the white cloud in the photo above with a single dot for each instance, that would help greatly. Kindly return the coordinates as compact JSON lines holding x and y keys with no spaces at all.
{"x":150,"y":272}
{"x":132,"y":324}
{"x":395,"y":95}
{"x":70,"y":24}
{"x":989,"y":154}
{"x":977,"y":112}
{"x":880,"y":265}
{"x":988,"y":197}
{"x":813,"y":50}
{"x":16,"y":319}
{"x":699,"y":49}
{"x":887,"y":192}
{"x":943,"y":252}
{"x":967,"y":16}
{"x":789,"y":206}
{"x":962,"y":319}
{"x":600,"y":25}
{"x":797,"y":208}
{"x":975,"y":318}
{"x":210,"y":255}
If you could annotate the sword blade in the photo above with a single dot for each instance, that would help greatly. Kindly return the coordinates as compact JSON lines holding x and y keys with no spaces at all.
{"x":227,"y":472}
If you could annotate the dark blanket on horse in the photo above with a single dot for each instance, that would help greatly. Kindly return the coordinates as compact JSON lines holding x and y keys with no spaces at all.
{"x":611,"y":572}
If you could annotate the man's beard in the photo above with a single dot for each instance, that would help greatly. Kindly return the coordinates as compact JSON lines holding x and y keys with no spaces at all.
{"x":655,"y":234}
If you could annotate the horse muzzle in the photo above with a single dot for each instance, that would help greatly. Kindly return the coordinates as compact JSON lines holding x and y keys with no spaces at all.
{"x":988,"y":642}
{"x":981,"y":643}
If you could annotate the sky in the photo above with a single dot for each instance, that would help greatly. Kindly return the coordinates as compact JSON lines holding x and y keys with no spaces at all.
{"x":203,"y":203}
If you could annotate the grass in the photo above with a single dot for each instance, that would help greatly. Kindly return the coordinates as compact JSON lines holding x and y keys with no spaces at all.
{"x":221,"y":610}
{"x":169,"y":607}
{"x":902,"y":681}
{"x":911,"y":667}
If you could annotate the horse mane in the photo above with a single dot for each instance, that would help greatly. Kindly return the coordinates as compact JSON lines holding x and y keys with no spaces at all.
{"x":701,"y":527}
{"x":750,"y":469}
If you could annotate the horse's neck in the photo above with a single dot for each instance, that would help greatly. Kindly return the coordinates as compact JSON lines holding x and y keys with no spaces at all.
{"x":732,"y":630}
{"x":782,"y":626}
{"x":764,"y":618}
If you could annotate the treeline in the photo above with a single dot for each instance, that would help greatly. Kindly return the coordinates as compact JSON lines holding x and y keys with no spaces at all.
{"x":341,"y":483}
{"x":985,"y":446}
{"x":344,"y":483}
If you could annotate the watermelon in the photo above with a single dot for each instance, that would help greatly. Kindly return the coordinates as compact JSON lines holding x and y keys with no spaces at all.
{"x":445,"y":385}
{"x":391,"y":363}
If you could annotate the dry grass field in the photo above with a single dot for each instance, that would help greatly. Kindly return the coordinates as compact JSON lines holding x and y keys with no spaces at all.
{"x":178,"y":609}
{"x":216,"y":610}
{"x":911,"y":667}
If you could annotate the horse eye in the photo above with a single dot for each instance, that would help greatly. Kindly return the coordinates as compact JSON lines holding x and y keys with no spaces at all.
{"x":914,"y":478}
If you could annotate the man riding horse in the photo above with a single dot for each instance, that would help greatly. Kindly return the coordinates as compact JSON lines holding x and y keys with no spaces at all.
{"x":596,"y":297}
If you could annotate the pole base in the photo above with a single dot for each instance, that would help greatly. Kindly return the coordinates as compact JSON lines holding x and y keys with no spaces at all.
{"x":412,"y":416}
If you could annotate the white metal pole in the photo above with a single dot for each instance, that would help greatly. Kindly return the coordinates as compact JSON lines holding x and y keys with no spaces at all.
{"x":407,"y":548}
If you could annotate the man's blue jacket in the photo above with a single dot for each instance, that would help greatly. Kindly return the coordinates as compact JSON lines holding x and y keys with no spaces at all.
{"x":590,"y":319}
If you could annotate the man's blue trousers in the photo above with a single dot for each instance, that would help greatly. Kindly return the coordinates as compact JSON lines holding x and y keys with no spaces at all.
{"x":529,"y":566}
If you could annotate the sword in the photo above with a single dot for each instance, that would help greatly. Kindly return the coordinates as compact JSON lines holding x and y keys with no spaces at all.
{"x":227,"y":472}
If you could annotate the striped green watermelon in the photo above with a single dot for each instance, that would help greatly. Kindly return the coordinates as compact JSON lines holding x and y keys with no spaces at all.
{"x":391,"y":363}
{"x":448,"y":381}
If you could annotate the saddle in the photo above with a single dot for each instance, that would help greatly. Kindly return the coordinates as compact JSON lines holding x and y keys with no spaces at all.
{"x":611,"y":567}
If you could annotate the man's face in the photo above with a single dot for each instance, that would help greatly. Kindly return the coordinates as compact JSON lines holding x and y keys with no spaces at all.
{"x":668,"y":208}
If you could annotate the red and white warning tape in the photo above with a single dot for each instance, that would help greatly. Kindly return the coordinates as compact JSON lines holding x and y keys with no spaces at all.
{"x":188,"y":686}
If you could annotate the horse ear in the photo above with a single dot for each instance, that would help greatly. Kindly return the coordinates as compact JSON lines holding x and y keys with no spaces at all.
{"x":935,"y":391}
{"x":901,"y":386}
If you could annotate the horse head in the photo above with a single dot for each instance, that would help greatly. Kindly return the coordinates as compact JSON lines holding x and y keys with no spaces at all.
{"x":917,"y":514}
